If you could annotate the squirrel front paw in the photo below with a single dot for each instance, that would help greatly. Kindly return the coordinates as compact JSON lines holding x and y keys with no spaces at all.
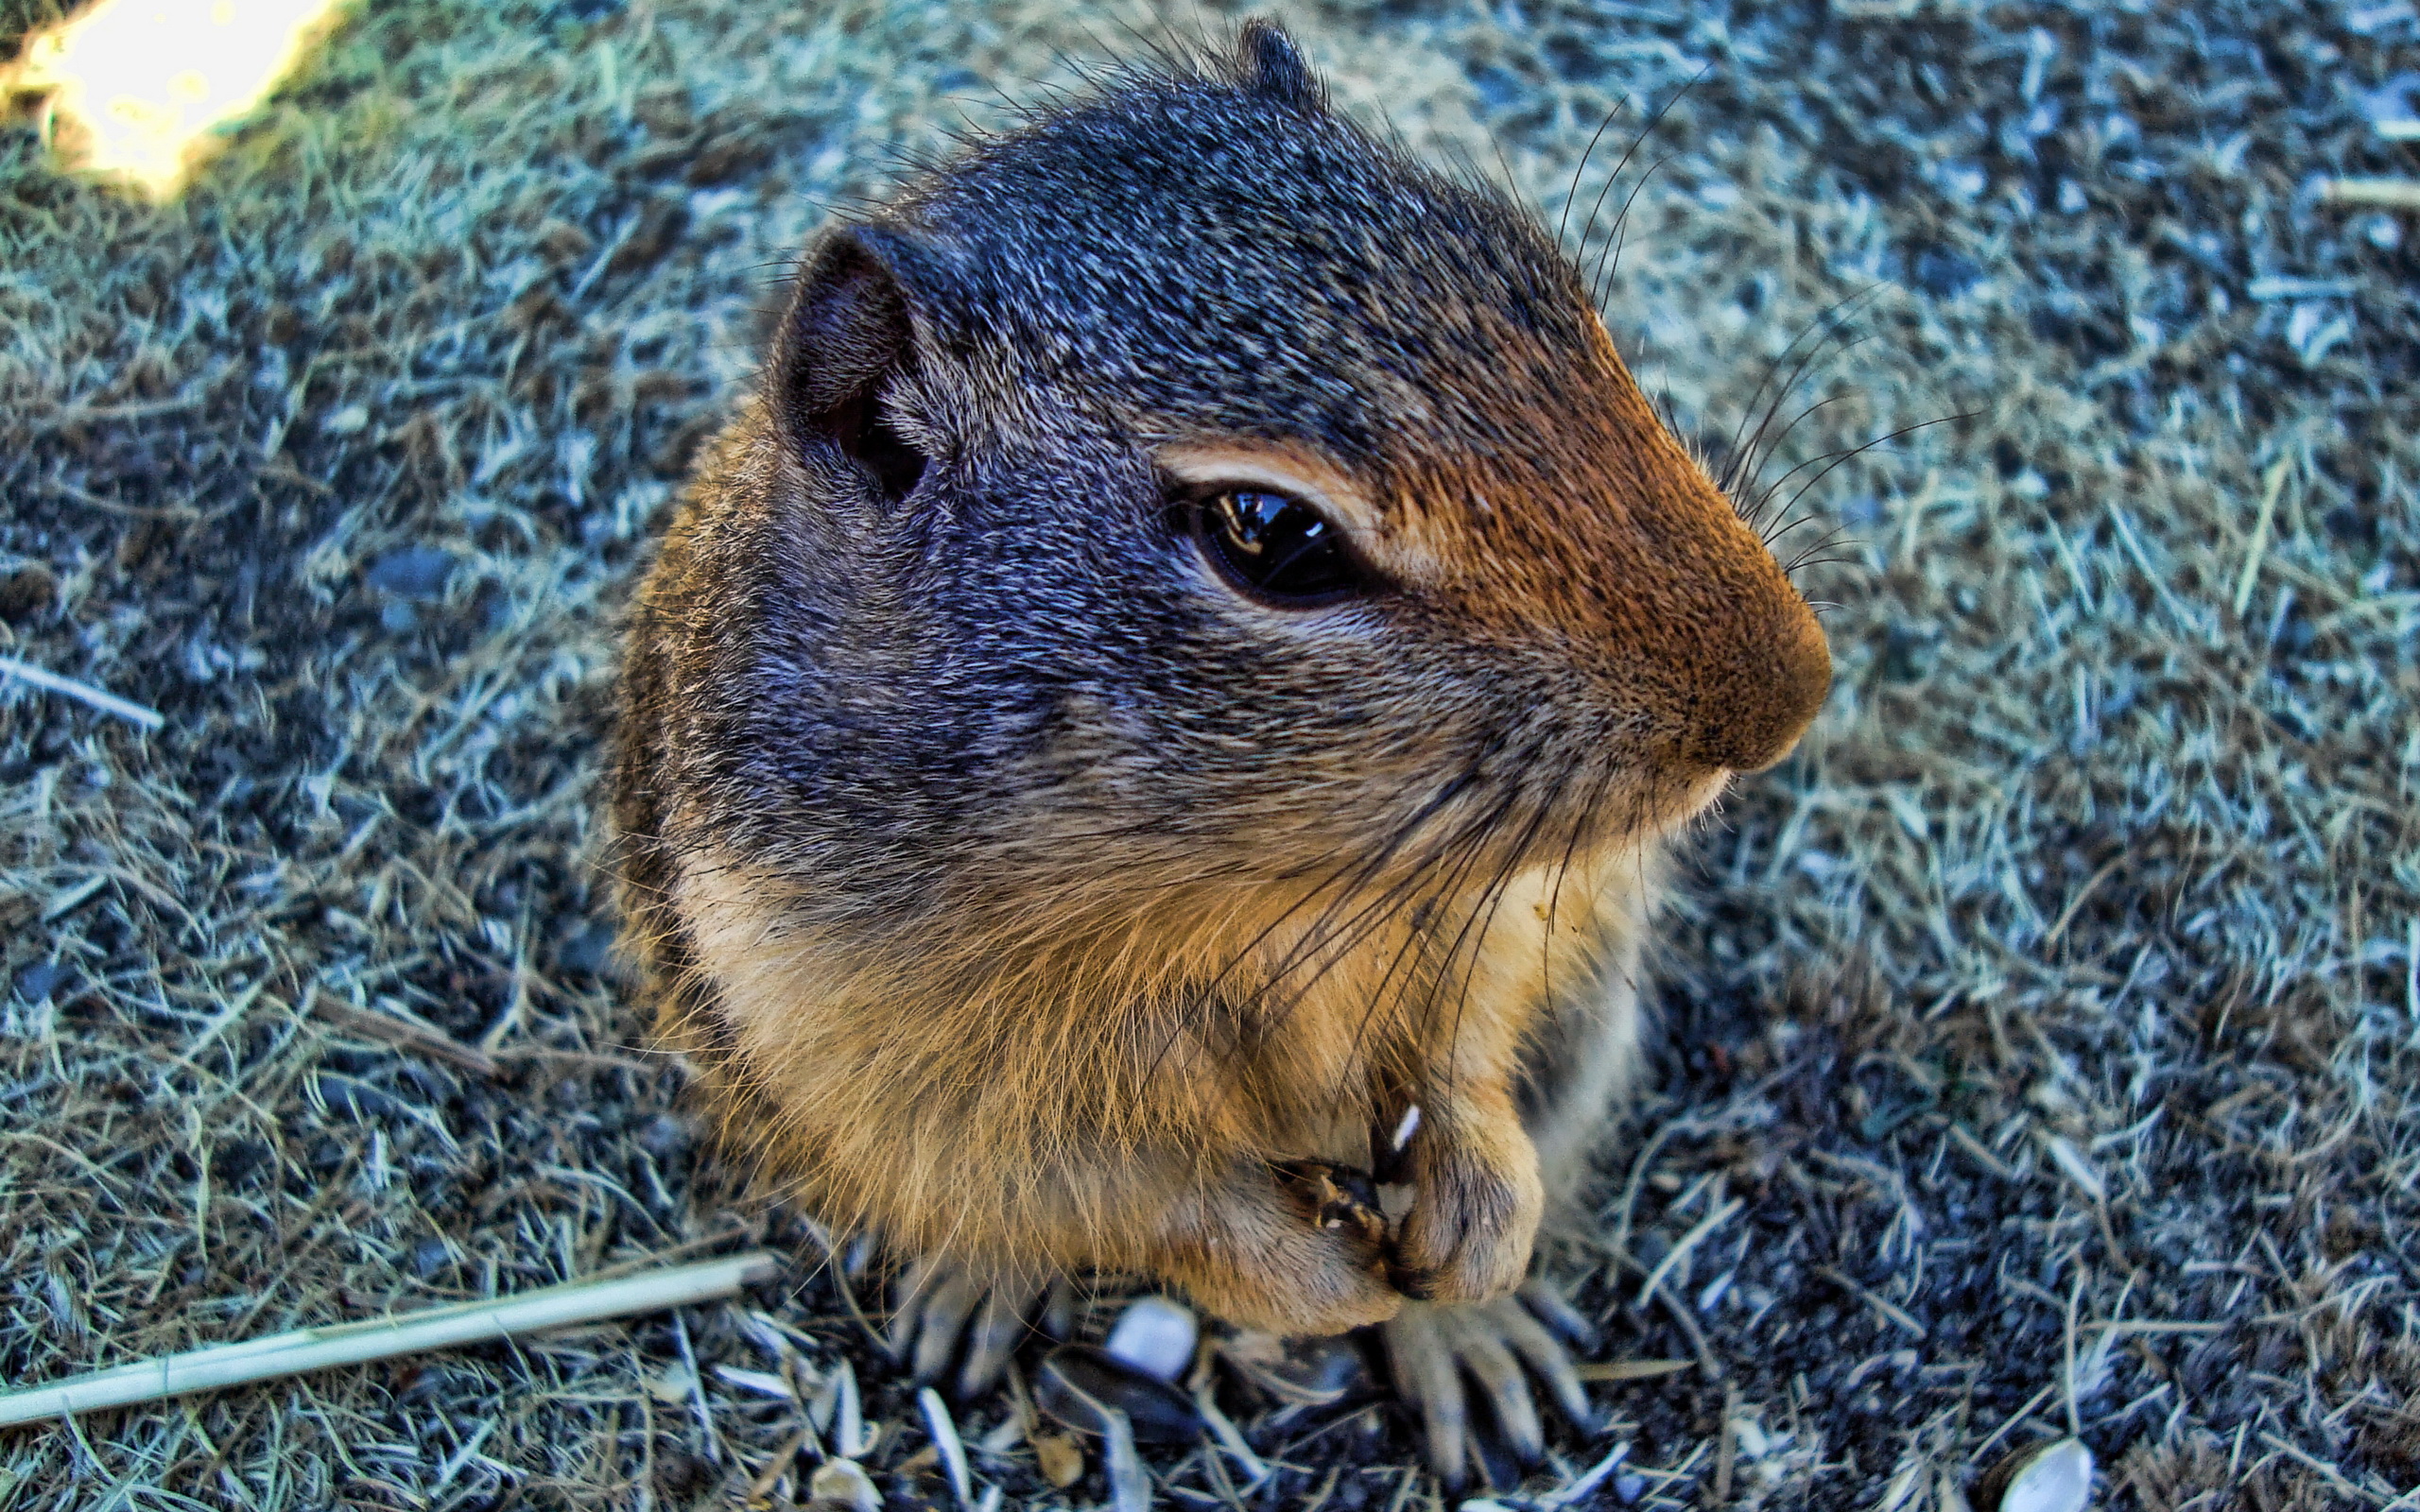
{"x":1291,"y":1247}
{"x":1477,"y":1198}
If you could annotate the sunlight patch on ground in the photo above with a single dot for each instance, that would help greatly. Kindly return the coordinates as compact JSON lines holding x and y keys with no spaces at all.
{"x":136,"y":88}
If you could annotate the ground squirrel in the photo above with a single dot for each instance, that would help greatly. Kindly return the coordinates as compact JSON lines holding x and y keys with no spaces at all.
{"x":1191,"y":653}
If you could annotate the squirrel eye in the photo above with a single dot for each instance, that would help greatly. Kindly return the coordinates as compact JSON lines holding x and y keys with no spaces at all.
{"x":1275,"y":547}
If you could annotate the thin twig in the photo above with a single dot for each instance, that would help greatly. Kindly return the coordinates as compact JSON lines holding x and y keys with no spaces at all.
{"x":443,"y":1328}
{"x":2013,"y":1419}
{"x":1729,"y":1452}
{"x":2386,"y":194}
{"x":1890,"y":1313}
{"x":1687,"y":1242}
{"x":107,"y":703}
{"x":2270,"y":488}
{"x":1588,"y":1479}
{"x":1629,"y":1369}
{"x":403,"y":1034}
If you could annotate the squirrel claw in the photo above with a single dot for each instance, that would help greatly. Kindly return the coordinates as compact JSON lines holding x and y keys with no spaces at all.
{"x":1335,"y":1196}
{"x":941,"y":1306}
{"x":1439,"y":1354}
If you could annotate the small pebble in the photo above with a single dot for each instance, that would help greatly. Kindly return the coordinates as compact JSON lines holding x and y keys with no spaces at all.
{"x":1499,"y":88}
{"x":2053,"y":1477}
{"x":843,"y":1485}
{"x":663,"y":1136}
{"x":587,"y":950}
{"x":2393,"y":108}
{"x":27,"y":592}
{"x":1155,"y":1336}
{"x":414,"y":572}
{"x":41,"y":979}
{"x":1628,"y":1486}
{"x":2373,"y":20}
{"x":1946,"y":274}
{"x":1061,"y":1458}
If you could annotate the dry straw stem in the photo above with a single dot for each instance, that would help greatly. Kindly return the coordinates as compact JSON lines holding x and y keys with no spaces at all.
{"x":2384,"y":193}
{"x":82,"y":693}
{"x":440,"y":1328}
{"x":1589,"y":1479}
{"x":1630,"y":1369}
{"x":405,"y":1035}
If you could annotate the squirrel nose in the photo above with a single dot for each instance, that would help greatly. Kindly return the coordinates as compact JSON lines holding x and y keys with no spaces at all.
{"x":1754,"y":708}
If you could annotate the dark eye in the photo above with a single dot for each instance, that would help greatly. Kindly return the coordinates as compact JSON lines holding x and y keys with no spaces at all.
{"x":1275,"y":547}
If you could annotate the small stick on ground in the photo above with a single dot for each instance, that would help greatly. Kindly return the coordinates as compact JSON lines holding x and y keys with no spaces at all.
{"x":2386,"y":194}
{"x":287,"y":1354}
{"x":84,"y":693}
{"x":1730,"y":1448}
{"x":404,"y":1035}
{"x":1630,"y":1369}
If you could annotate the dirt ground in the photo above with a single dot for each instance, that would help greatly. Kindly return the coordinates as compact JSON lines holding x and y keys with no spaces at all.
{"x":2038,"y":1044}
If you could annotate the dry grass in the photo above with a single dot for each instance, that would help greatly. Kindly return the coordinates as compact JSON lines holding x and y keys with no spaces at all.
{"x":2051,"y":1017}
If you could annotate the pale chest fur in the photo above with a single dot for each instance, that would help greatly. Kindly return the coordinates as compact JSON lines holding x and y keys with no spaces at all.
{"x":1083,"y":1078}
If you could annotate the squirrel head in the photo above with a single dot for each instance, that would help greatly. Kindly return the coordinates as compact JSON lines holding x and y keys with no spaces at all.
{"x":1189,"y":488}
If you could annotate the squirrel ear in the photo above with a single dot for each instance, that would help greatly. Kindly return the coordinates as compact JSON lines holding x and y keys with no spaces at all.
{"x":846,"y":337}
{"x":1268,"y":64}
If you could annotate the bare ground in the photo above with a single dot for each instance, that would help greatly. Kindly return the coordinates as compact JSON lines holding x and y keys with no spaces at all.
{"x":2040,"y":1041}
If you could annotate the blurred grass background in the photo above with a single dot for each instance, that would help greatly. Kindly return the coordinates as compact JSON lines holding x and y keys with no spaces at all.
{"x":2052,"y":1014}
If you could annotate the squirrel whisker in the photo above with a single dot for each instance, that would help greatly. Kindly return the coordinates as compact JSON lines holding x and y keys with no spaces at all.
{"x":1831,"y":319}
{"x":1571,"y":194}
